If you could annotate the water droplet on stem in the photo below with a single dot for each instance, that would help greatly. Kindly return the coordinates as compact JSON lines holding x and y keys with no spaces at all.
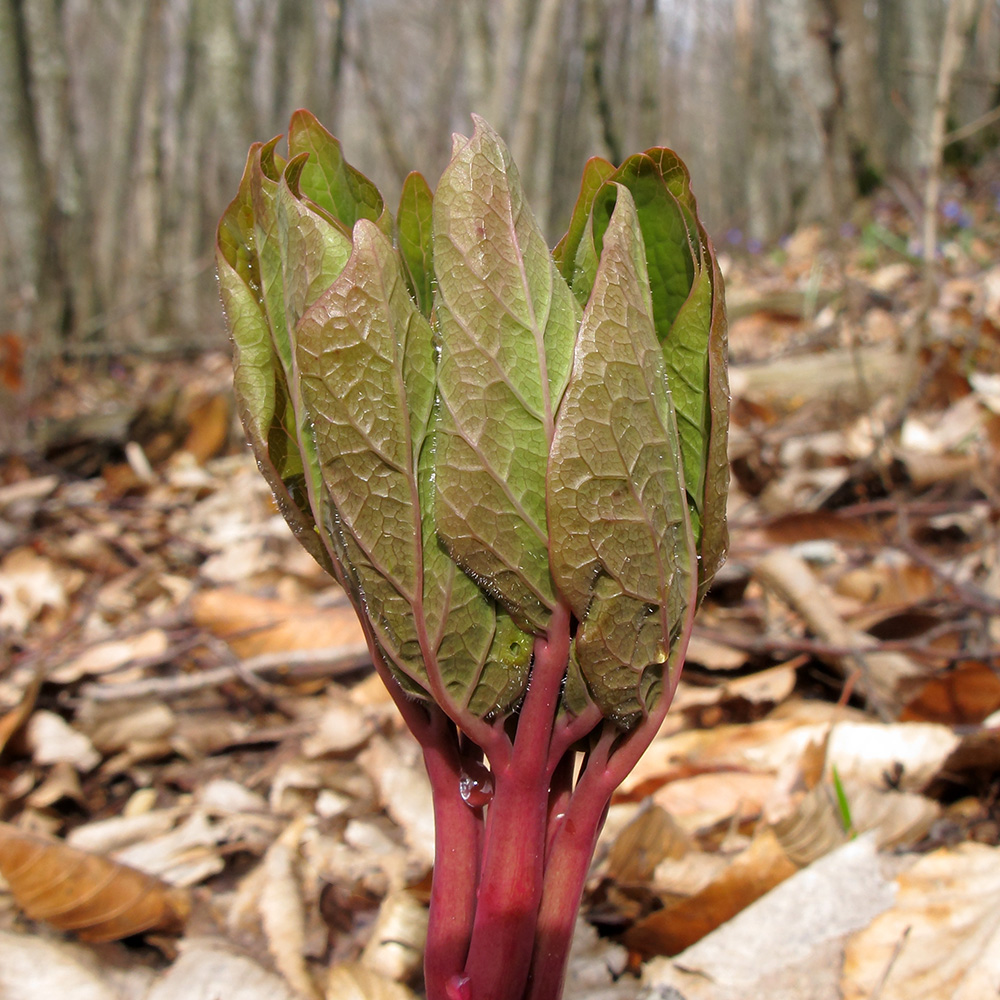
{"x":475,"y":784}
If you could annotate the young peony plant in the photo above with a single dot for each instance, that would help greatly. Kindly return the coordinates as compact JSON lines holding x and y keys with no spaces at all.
{"x":514,"y":462}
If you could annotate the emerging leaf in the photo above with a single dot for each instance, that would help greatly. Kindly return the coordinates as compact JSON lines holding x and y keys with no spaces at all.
{"x":620,"y":536}
{"x":686,"y":290}
{"x":514,"y":461}
{"x":413,"y":225}
{"x":507,"y":321}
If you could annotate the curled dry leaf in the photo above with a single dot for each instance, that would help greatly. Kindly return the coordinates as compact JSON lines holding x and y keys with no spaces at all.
{"x":395,"y":948}
{"x":96,"y":898}
{"x":353,"y":981}
{"x":649,"y":838}
{"x":103,"y":836}
{"x":282,"y":909}
{"x":62,"y":782}
{"x":113,"y":654}
{"x":53,"y":741}
{"x":341,"y":726}
{"x":184,"y":855}
{"x":397,"y":770}
{"x":11,"y":722}
{"x":31,"y":584}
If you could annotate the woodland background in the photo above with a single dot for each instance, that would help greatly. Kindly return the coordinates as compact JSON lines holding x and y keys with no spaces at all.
{"x":191,"y":738}
{"x":126,"y":122}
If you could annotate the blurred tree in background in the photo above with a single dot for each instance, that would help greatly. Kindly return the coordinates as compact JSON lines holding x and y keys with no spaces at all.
{"x":126,"y":122}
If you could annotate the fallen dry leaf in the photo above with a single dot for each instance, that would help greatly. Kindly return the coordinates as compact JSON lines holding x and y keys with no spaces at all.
{"x":12,"y":721}
{"x":105,"y":836}
{"x":395,"y":947}
{"x":205,"y":964}
{"x":396,"y":767}
{"x":104,"y":657}
{"x":256,"y":625}
{"x":341,"y":726}
{"x":353,"y":981}
{"x":964,"y":695}
{"x":648,"y":839}
{"x":913,"y":752}
{"x":753,"y":872}
{"x":888,"y":678}
{"x":702,"y":801}
{"x":940,"y":939}
{"x":33,"y":967}
{"x":790,"y":938}
{"x":183,"y":856}
{"x":31,"y":584}
{"x":53,"y":740}
{"x":282,"y":909}
{"x":96,"y":898}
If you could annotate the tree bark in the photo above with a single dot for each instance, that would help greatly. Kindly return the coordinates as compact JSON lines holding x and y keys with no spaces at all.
{"x":22,"y":196}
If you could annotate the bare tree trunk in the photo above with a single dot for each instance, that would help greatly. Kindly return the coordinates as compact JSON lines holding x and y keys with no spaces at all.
{"x":799,"y":162}
{"x":22,"y":215}
{"x":477,"y":43}
{"x":536,"y":96}
{"x":113,"y":200}
{"x":22,"y":196}
{"x":857,"y":75}
{"x":69,"y":297}
{"x":513,"y":18}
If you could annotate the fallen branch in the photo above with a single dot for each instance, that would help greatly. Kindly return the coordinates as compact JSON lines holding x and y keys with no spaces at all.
{"x":297,"y":664}
{"x":887,"y":679}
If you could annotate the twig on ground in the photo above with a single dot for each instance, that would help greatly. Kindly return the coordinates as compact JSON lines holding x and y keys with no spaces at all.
{"x":298,"y":664}
{"x":886,"y":677}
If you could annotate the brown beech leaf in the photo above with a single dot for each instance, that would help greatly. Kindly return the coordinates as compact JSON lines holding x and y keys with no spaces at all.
{"x":754,"y":872}
{"x":649,"y":838}
{"x":255,"y":625}
{"x":964,"y":695}
{"x":96,"y":898}
{"x":353,"y":981}
{"x":12,"y":722}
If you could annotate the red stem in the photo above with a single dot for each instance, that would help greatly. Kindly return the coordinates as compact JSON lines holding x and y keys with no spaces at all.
{"x":457,"y":848}
{"x":572,"y":850}
{"x":510,"y":889}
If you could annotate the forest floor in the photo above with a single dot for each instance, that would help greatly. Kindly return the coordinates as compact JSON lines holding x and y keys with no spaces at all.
{"x":202,"y":782}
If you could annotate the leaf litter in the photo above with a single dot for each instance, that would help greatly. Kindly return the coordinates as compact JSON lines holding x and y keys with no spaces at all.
{"x":186,"y":702}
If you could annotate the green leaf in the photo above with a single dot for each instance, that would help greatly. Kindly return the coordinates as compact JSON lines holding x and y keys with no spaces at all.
{"x":620,"y":545}
{"x":595,"y":172}
{"x":366,"y":361}
{"x":506,"y":322}
{"x":329,"y":180}
{"x":313,"y":251}
{"x":672,"y":254}
{"x":689,"y":318}
{"x":260,"y":383}
{"x":715,"y":534}
{"x":686,"y":353}
{"x":413,"y":226}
